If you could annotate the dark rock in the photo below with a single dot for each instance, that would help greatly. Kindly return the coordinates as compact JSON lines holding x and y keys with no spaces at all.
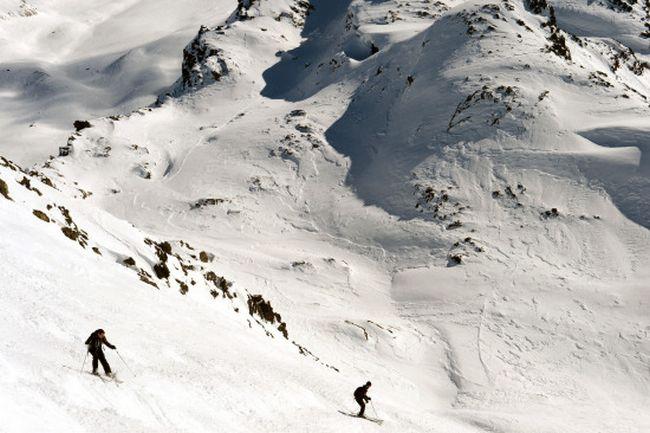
{"x":161,"y":270}
{"x":207,"y":202}
{"x":41,"y":215}
{"x":456,"y":224}
{"x":70,"y":233}
{"x":183,"y":288}
{"x":81,"y":125}
{"x":4,"y":190}
{"x":257,"y":306}
{"x":220,"y":283}
{"x":298,"y":113}
{"x":204,"y":257}
{"x":553,"y":213}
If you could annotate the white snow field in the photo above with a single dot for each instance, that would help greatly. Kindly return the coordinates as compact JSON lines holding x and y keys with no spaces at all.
{"x":448,"y":198}
{"x":61,"y":60}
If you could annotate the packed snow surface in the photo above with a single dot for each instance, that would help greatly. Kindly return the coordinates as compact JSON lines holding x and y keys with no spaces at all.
{"x":268,"y":203}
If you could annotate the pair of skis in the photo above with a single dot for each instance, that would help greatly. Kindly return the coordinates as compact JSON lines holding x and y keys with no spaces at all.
{"x":112,"y":378}
{"x":106,"y":379}
{"x":354,"y":415}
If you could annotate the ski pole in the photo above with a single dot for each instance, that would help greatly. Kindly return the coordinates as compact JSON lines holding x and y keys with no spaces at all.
{"x":373,"y":409}
{"x":84,"y":364}
{"x":127,"y":365}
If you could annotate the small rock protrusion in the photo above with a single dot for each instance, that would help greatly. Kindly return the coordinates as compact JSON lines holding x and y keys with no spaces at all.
{"x":41,"y":215}
{"x":81,"y":125}
{"x":4,"y":190}
{"x":454,"y":260}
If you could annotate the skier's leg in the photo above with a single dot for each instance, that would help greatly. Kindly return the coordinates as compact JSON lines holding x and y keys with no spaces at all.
{"x":95,"y":363}
{"x":102,"y":359}
{"x":361,"y":403}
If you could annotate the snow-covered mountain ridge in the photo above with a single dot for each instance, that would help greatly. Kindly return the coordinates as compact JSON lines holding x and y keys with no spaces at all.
{"x":447,"y":198}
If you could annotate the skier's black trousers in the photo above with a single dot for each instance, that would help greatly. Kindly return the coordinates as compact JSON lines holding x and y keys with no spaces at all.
{"x":362,"y":404}
{"x":98,"y":356}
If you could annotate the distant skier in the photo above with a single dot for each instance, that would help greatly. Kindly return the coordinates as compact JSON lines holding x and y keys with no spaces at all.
{"x":94,"y":343}
{"x":361,"y":396}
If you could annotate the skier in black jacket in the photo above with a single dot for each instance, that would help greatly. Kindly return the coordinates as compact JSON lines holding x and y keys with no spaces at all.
{"x":94,"y":343}
{"x":360,"y":395}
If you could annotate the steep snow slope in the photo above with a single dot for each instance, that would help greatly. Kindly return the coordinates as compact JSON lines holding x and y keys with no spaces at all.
{"x":197,"y":364}
{"x":448,"y":199}
{"x":68,"y":60}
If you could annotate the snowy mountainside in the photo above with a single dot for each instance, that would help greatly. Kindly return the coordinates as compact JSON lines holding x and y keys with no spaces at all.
{"x":447,"y":198}
{"x":72,"y":59}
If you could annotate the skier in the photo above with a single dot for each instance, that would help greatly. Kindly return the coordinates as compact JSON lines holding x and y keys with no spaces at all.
{"x":94,"y":343}
{"x":360,"y":395}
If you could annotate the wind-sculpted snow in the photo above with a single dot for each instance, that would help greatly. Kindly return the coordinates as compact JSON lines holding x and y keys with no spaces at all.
{"x":211,"y":56}
{"x":76,"y":59}
{"x":446,"y":198}
{"x":626,"y":178}
{"x":339,"y":35}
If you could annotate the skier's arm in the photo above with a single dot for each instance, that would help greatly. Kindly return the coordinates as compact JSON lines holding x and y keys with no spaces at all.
{"x":108,"y":344}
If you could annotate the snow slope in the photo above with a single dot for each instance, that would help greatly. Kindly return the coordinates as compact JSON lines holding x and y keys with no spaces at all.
{"x":69,"y":60}
{"x":447,"y":198}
